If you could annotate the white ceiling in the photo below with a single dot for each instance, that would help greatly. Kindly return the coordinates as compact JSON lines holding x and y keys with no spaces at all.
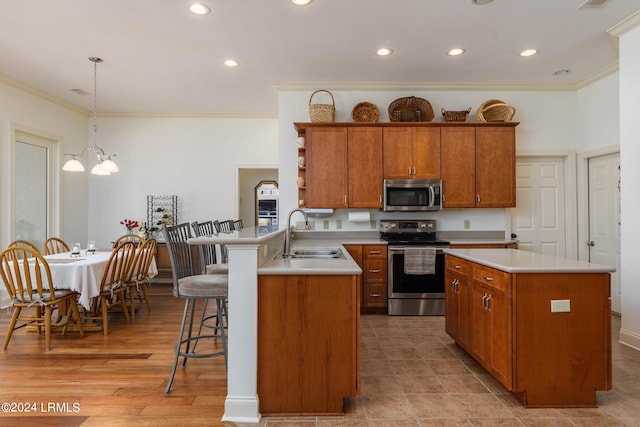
{"x":159,"y":58}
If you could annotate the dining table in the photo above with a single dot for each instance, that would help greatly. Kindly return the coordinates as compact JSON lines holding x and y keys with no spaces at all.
{"x":83,"y":273}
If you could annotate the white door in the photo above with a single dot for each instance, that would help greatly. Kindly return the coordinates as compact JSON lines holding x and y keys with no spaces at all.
{"x":538,"y":221}
{"x":604,"y":218}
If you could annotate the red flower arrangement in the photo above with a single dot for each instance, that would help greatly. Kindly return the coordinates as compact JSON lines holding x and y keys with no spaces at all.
{"x":130,"y":224}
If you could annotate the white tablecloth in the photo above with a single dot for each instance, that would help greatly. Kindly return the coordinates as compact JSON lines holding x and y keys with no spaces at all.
{"x":82,"y":274}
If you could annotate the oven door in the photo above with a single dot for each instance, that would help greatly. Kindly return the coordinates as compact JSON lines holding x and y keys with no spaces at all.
{"x":410,"y":294}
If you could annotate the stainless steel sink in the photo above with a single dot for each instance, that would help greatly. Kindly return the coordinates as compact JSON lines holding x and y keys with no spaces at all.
{"x":316,"y":253}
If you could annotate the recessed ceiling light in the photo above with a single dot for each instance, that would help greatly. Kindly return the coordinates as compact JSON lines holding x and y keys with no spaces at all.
{"x":528,"y":52}
{"x":384,"y":52}
{"x":561,"y":72}
{"x":455,"y":52}
{"x":301,"y":2}
{"x":480,"y":2}
{"x":199,"y":9}
{"x":231,"y":63}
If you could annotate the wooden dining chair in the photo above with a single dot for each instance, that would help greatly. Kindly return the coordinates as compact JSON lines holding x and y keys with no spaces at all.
{"x":27,"y":278}
{"x":128,"y":238}
{"x":23,"y":244}
{"x":113,"y":285}
{"x":54,"y":245}
{"x":139,"y":275}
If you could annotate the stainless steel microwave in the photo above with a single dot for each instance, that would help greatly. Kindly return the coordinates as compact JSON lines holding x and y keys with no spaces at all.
{"x":412,"y":195}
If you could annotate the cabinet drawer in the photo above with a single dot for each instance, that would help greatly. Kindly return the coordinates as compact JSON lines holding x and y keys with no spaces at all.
{"x":492,"y":278}
{"x":374,"y":251}
{"x":458,"y":265}
{"x":374,"y":270}
{"x":374,"y":295}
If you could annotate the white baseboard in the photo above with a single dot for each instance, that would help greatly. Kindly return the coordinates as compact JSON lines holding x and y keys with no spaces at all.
{"x":630,"y":339}
{"x":240,"y":409}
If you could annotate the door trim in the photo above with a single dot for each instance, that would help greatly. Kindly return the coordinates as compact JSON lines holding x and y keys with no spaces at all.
{"x":583,"y":195}
{"x":570,"y":203}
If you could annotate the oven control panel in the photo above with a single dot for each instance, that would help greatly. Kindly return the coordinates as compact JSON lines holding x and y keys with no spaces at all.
{"x":408,"y":226}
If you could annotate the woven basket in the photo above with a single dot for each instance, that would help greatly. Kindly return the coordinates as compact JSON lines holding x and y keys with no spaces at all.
{"x":365,"y":112}
{"x":410,"y":109}
{"x":322,"y":112}
{"x":495,"y":110}
{"x":455,"y":116}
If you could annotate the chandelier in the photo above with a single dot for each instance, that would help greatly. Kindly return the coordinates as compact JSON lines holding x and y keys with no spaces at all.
{"x":105,"y":165}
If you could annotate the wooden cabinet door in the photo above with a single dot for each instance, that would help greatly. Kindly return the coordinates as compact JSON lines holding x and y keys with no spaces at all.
{"x":364,"y":162}
{"x":458,"y":158}
{"x":452,"y":304}
{"x":501,"y":357}
{"x":464,"y":313}
{"x":396,"y":147}
{"x":426,"y":152}
{"x":480,"y":326}
{"x":326,"y":168}
{"x":496,"y":167}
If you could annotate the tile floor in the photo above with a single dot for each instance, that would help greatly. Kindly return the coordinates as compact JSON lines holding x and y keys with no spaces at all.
{"x":414,"y":375}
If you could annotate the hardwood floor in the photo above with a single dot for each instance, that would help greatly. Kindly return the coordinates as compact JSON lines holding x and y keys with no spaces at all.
{"x":113,"y":380}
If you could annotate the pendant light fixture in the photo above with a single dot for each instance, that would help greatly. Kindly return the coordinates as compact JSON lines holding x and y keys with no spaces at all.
{"x":105,"y":165}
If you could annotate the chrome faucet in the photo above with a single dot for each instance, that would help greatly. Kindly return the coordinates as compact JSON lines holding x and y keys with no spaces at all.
{"x":289,"y":233}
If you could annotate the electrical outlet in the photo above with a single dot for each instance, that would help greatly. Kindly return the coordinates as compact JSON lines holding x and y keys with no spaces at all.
{"x":300,"y":225}
{"x":325,"y":224}
{"x":339,"y":224}
{"x":560,"y":306}
{"x":467,"y":224}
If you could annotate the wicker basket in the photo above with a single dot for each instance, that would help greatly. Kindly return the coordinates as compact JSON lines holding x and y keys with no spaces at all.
{"x":455,"y":116}
{"x":365,"y":112}
{"x":495,"y":110}
{"x":410,"y":109}
{"x":322,"y":112}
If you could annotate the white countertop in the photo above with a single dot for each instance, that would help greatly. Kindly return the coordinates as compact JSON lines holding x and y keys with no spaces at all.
{"x":521,"y":261}
{"x":316,"y":266}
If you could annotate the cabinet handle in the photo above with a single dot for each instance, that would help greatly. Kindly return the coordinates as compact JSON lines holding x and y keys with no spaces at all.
{"x":478,"y":199}
{"x":375,"y":295}
{"x":453,"y":284}
{"x":374,"y":252}
{"x":380,"y":199}
{"x":488,"y":303}
{"x":484,"y":302}
{"x":457,"y":267}
{"x":488,"y":279}
{"x":409,"y":171}
{"x":374,"y":271}
{"x":414,"y":170}
{"x":345,"y":200}
{"x":443,"y":199}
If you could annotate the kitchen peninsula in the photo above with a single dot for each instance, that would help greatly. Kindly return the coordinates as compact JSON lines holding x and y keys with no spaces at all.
{"x":295,"y":327}
{"x":541,"y":325}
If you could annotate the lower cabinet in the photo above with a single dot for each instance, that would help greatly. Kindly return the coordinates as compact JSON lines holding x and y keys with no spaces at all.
{"x":308,"y":343}
{"x":504,"y":321}
{"x":163,"y":262}
{"x":372,"y":259}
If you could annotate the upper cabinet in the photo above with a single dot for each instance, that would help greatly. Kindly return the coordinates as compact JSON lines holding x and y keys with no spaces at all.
{"x":364,"y":166}
{"x":345,"y":164}
{"x":478,"y":167}
{"x":326,"y":168}
{"x":411,"y":152}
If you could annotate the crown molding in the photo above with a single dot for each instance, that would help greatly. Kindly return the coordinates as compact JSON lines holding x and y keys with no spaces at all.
{"x":627,"y":24}
{"x":374,"y":86}
{"x":598,"y":75}
{"x":10,"y":81}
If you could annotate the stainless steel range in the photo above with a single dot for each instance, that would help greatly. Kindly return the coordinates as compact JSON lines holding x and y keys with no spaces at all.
{"x":411,"y":291}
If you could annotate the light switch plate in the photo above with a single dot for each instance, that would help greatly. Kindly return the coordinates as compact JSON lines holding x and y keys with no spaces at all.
{"x":560,"y":306}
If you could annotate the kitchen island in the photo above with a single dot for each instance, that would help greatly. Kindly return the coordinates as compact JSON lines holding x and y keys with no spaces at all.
{"x":541,"y":325}
{"x":293,"y":324}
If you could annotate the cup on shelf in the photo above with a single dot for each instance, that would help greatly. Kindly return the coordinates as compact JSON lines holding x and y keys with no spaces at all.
{"x":301,"y":162}
{"x":300,"y":182}
{"x":301,"y":142}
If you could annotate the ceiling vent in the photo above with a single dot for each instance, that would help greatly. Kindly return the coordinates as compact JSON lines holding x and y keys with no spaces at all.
{"x":592,"y":4}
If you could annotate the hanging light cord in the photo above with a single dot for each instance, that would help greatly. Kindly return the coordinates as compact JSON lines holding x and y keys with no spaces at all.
{"x":95,"y":147}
